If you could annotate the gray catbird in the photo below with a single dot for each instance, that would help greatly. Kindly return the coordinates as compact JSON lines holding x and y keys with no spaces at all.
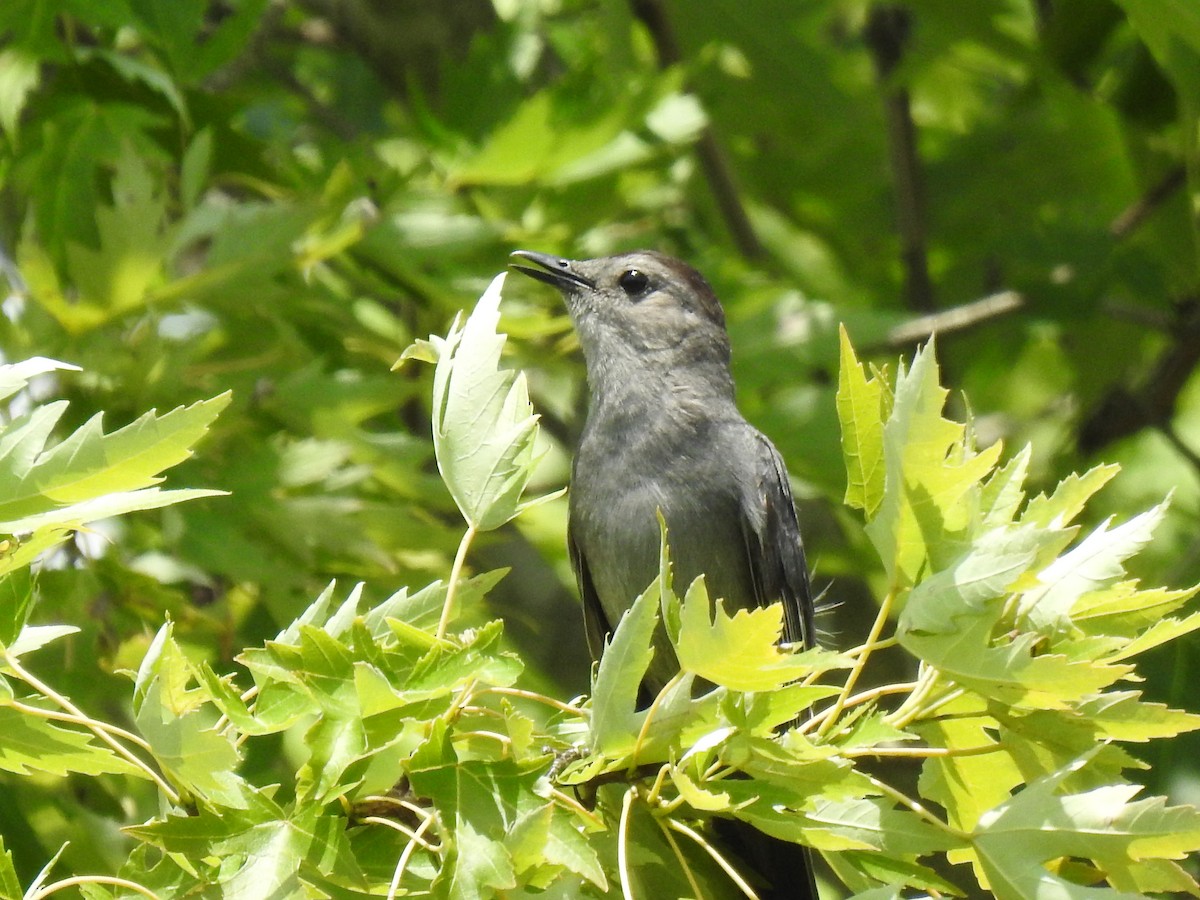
{"x":663,"y":433}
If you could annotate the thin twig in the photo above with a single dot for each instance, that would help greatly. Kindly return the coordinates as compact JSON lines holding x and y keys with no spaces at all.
{"x":645,"y":729}
{"x":858,"y":699}
{"x":1140,"y":210}
{"x":922,"y":752}
{"x":96,"y":724}
{"x":414,"y":836}
{"x":402,"y":863}
{"x":950,"y":321}
{"x":575,"y":806}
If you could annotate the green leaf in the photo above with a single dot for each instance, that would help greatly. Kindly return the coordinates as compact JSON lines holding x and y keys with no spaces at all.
{"x":1003,"y":492}
{"x":861,"y":413}
{"x":932,"y":480}
{"x":1124,"y":716}
{"x":966,"y":785}
{"x":10,"y":885}
{"x":536,"y":143}
{"x":16,"y":602}
{"x":619,"y":676}
{"x":1069,"y":498}
{"x":179,"y":725}
{"x":262,"y":849}
{"x":16,"y":376}
{"x":1158,"y":634}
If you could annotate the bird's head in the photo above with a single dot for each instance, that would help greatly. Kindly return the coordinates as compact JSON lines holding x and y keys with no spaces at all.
{"x":637,"y":313}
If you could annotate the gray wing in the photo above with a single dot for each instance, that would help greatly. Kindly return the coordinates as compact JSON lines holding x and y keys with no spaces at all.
{"x":596,"y":627}
{"x":773,"y":545}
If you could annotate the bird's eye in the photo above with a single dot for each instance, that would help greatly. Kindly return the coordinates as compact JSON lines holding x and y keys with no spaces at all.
{"x":633,"y":282}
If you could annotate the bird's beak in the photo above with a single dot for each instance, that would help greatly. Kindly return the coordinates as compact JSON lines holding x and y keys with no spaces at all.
{"x":552,"y":270}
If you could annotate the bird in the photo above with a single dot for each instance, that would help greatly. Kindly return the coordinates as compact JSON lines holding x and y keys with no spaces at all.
{"x":663,"y":436}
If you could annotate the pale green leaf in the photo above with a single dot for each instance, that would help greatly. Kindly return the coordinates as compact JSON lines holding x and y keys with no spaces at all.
{"x":932,"y":481}
{"x":179,"y":724}
{"x":19,"y":75}
{"x":105,"y":506}
{"x":1003,"y":492}
{"x":34,"y":637}
{"x":1093,"y":564}
{"x":1124,"y":716}
{"x":739,"y":651}
{"x":1124,"y":609}
{"x":1104,"y":825}
{"x":484,"y":428}
{"x":950,"y":619}
{"x":1069,"y":498}
{"x":89,"y":465}
{"x":1158,"y":634}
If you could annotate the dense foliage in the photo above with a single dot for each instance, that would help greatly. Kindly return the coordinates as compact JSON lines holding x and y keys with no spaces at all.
{"x":273,"y":200}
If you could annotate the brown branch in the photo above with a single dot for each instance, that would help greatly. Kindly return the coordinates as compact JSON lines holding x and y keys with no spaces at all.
{"x":1138,"y":211}
{"x":950,"y":321}
{"x":713,"y":161}
{"x":886,"y":34}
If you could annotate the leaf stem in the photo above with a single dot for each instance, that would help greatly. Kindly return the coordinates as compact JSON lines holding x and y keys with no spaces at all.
{"x":531,"y":695}
{"x":55,"y":716}
{"x":656,"y":788}
{"x":906,"y":801}
{"x":91,"y":725}
{"x":683,"y":863}
{"x":923,"y":752}
{"x":623,"y":844}
{"x":645,"y":729}
{"x":916,"y":706}
{"x":716,"y":857}
{"x":402,"y":863}
{"x":414,"y":836}
{"x":870,"y":644}
{"x":92,"y":879}
{"x":865,"y":697}
{"x":460,"y":559}
{"x":568,"y":802}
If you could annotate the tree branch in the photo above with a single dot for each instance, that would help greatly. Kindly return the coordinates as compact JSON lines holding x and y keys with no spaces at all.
{"x":886,"y":34}
{"x":713,"y":161}
{"x":1138,"y":211}
{"x":950,"y":321}
{"x":1124,"y":411}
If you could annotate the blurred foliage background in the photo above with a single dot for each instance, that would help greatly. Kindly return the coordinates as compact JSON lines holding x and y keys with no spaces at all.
{"x":276,"y":198}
